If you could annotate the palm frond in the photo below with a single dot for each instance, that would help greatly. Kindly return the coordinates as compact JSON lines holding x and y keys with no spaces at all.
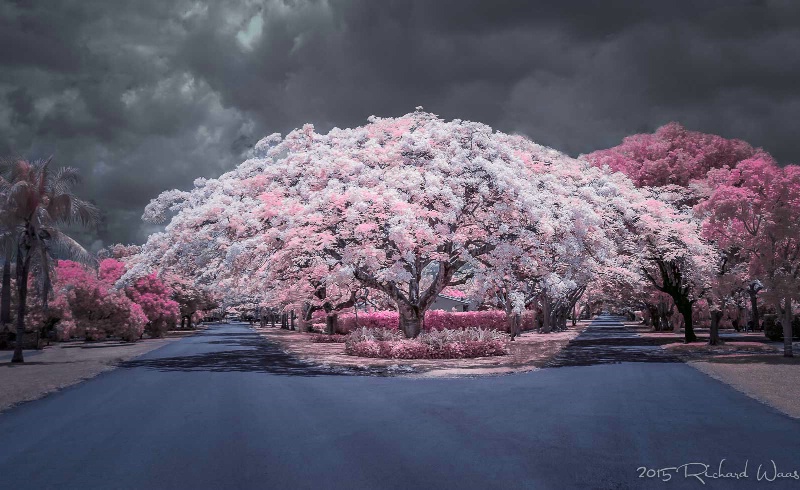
{"x":63,"y":246}
{"x":64,"y":180}
{"x":43,"y":175}
{"x":84,"y":212}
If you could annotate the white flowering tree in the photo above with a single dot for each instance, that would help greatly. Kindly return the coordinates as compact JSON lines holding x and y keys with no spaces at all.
{"x":405,"y":206}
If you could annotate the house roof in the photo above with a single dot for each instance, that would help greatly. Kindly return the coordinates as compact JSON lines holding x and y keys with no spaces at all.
{"x":453,"y":298}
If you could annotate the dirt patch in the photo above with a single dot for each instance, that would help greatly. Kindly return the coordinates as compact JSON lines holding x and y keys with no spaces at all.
{"x":528,"y":352}
{"x":64,"y":364}
{"x":748,"y":362}
{"x":702,"y":350}
{"x":769,"y":378}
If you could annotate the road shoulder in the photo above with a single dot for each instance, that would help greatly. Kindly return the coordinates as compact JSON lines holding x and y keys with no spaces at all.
{"x":65,"y":364}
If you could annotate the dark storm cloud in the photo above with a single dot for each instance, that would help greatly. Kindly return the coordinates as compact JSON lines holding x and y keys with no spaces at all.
{"x":148,"y":95}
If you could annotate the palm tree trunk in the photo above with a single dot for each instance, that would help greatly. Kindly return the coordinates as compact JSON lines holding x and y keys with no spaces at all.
{"x":5,"y":301}
{"x":22,"y":293}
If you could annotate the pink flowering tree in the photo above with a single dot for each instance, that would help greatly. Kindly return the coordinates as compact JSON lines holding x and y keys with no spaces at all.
{"x":191,"y":300}
{"x":671,"y":156}
{"x":149,"y":292}
{"x":675,"y":164}
{"x":754,"y":211}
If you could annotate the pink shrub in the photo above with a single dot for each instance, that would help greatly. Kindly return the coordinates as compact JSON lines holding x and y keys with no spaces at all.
{"x":366,"y":348}
{"x":409,"y":349}
{"x":379,"y":319}
{"x":153,"y":296}
{"x":89,"y":306}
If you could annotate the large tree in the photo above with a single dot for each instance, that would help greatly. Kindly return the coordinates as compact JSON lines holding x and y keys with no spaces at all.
{"x":406,"y":206}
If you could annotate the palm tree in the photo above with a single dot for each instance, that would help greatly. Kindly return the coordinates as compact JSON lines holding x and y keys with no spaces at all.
{"x":6,"y":248}
{"x":36,"y":203}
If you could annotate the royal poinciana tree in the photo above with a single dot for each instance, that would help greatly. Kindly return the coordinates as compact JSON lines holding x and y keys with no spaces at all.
{"x":406,"y":206}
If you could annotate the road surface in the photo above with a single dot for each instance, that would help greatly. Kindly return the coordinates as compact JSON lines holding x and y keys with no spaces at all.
{"x":226,"y":409}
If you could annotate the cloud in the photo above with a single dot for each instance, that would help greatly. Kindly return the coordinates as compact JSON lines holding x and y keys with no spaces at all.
{"x":147,"y":96}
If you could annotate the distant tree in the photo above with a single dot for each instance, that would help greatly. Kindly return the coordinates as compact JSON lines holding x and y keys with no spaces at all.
{"x":672,"y":155}
{"x":149,"y":292}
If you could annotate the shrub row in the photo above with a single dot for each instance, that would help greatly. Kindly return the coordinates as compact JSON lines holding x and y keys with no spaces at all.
{"x":328,"y":339}
{"x":435,"y":320}
{"x":441,"y":344}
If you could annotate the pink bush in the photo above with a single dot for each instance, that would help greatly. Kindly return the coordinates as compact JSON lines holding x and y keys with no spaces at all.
{"x":408,"y":349}
{"x":153,"y":296}
{"x":436,"y":320}
{"x":89,"y":306}
{"x":378,"y":319}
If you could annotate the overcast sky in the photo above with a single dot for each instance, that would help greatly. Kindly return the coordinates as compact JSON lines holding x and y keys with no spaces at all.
{"x":145,"y":96}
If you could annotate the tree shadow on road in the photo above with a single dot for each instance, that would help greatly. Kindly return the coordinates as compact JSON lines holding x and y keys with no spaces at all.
{"x":248,"y":352}
{"x":612,"y":345}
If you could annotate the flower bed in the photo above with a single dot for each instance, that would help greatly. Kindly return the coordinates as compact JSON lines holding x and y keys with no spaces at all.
{"x":437,"y":344}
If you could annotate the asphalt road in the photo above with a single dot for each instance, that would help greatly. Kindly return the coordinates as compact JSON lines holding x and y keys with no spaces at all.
{"x":225,"y":409}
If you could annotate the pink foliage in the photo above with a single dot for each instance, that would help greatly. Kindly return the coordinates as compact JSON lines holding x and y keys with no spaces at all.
{"x":671,"y":156}
{"x":89,"y":305}
{"x":90,"y":308}
{"x":153,"y":296}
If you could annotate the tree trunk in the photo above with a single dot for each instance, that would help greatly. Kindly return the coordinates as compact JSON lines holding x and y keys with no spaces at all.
{"x":655,"y":318}
{"x":713,"y":337}
{"x":787,"y":328}
{"x":754,"y":308}
{"x":5,"y":302}
{"x":22,"y":296}
{"x":547,"y":327}
{"x":331,"y":322}
{"x":685,"y":309}
{"x":411,"y":320}
{"x":513,"y":321}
